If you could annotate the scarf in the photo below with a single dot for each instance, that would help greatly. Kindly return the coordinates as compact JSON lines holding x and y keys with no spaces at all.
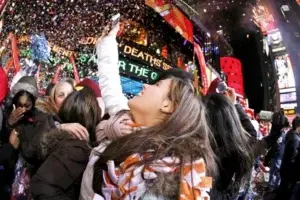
{"x":128,"y":181}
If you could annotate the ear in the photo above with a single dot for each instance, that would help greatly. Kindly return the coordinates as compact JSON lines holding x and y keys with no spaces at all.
{"x":167,"y":107}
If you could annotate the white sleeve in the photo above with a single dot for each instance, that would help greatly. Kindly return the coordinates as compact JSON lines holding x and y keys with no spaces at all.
{"x":109,"y":78}
{"x":97,"y":197}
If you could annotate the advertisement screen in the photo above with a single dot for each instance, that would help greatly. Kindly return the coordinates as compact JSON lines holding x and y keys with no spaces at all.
{"x":174,"y":17}
{"x":288,"y":97}
{"x":134,"y":32}
{"x":263,"y":19}
{"x":276,"y":42}
{"x":285,"y":72}
{"x":288,"y":105}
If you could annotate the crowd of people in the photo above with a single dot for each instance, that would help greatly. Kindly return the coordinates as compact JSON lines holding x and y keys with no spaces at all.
{"x":88,"y":141}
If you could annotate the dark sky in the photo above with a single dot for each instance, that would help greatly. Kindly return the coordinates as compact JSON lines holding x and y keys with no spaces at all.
{"x":233,"y":17}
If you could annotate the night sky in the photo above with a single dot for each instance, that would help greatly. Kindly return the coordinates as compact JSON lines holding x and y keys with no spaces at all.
{"x":233,"y":17}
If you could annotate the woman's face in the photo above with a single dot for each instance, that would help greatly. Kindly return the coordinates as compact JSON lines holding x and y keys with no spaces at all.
{"x":153,"y":99}
{"x":25,"y":102}
{"x":61,"y":92}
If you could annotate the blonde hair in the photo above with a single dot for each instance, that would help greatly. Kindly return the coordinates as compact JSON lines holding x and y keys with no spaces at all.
{"x":70,"y":81}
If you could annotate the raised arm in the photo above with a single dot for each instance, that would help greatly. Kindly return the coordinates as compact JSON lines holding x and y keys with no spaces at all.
{"x":108,"y":72}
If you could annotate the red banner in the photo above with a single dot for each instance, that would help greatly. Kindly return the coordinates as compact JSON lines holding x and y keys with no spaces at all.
{"x":174,"y":17}
{"x":298,"y":1}
{"x":201,"y":59}
{"x":2,"y":4}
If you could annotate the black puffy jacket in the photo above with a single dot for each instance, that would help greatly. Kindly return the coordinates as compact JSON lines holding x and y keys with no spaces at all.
{"x":291,"y":153}
{"x":59,"y":177}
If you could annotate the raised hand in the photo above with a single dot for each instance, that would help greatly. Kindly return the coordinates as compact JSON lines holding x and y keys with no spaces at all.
{"x":16,"y":115}
{"x":77,"y":130}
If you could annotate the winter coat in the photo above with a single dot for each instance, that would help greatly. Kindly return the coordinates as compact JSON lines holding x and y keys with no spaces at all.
{"x":291,"y":153}
{"x":1,"y":120}
{"x":3,"y":92}
{"x":109,"y":78}
{"x":7,"y":166}
{"x":3,"y":85}
{"x":224,"y":189}
{"x":111,"y":90}
{"x":30,"y":134}
{"x":115,"y":101}
{"x":30,"y":130}
{"x":59,"y":177}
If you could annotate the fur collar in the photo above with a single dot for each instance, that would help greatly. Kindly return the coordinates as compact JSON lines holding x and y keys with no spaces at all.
{"x":46,"y":105}
{"x":50,"y":141}
{"x":165,"y":185}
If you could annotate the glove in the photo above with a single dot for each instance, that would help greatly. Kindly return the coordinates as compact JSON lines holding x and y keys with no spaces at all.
{"x":86,"y":191}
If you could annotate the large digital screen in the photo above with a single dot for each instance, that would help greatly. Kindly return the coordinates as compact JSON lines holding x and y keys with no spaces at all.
{"x":276,"y":42}
{"x":289,"y":105}
{"x":288,"y":97}
{"x":285,"y":72}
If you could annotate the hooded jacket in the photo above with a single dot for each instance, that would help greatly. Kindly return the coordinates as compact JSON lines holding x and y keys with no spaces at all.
{"x":59,"y":177}
{"x":289,"y":166}
{"x":26,"y":83}
{"x":31,"y":130}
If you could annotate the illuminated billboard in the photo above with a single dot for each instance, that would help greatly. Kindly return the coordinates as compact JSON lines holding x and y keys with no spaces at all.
{"x":285,"y":72}
{"x":263,"y":19}
{"x":174,"y":17}
{"x":288,"y":97}
{"x":275,"y":41}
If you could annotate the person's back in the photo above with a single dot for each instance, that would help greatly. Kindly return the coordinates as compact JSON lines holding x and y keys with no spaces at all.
{"x":289,"y":168}
{"x":231,"y":146}
{"x":65,"y":156}
{"x":59,"y":148}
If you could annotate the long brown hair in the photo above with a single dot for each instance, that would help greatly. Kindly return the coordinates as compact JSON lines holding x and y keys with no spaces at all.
{"x":82,"y":107}
{"x":183,"y":134}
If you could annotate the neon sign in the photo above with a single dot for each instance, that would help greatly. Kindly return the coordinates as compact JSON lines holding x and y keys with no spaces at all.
{"x":136,"y":70}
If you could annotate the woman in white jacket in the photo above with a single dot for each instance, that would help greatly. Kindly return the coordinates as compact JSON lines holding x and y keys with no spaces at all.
{"x":173,"y":143}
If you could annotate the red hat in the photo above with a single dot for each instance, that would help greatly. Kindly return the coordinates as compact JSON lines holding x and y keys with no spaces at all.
{"x":213,"y":86}
{"x":90,"y":84}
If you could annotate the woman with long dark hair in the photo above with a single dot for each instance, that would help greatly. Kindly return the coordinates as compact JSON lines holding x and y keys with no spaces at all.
{"x":66,"y":156}
{"x":231,"y":146}
{"x":168,"y":154}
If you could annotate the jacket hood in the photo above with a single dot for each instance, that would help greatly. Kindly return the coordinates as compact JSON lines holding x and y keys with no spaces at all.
{"x":26,"y":83}
{"x":50,"y":141}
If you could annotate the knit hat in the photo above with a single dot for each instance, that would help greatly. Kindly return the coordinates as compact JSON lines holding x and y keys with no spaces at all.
{"x":90,"y":84}
{"x":26,"y":83}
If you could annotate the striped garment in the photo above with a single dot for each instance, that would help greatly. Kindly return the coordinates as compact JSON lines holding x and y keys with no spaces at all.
{"x":128,"y":181}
